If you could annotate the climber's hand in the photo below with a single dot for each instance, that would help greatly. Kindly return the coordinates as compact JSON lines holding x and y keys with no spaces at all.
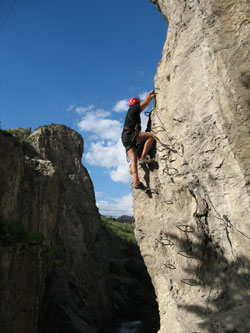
{"x":147,"y":100}
{"x":152,"y":94}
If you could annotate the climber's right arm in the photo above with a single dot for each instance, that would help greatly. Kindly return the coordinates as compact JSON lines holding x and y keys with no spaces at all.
{"x":145,"y":103}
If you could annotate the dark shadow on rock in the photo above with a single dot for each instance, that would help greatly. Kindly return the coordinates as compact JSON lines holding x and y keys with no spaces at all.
{"x":150,"y":167}
{"x":132,"y":292}
{"x":227,"y":283}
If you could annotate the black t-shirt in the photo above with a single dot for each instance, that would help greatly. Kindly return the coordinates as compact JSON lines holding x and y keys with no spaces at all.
{"x":132,"y":117}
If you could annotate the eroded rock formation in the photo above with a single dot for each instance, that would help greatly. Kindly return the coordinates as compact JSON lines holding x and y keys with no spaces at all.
{"x":194,"y":227}
{"x":45,"y":187}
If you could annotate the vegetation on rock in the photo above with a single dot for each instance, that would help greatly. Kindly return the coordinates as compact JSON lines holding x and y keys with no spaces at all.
{"x":13,"y":232}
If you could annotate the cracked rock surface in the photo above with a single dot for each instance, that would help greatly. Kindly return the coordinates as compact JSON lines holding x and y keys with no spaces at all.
{"x":193,"y":228}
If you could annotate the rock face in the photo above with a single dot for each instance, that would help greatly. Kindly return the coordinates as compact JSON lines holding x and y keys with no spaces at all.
{"x":194,"y":227}
{"x":62,"y":285}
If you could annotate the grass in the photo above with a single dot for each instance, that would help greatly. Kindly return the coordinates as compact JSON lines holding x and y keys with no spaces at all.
{"x":124,"y":231}
{"x":20,"y":133}
{"x":22,"y":136}
{"x":121,"y":238}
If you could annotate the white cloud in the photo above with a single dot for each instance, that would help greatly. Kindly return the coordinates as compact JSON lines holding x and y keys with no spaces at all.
{"x":105,"y":148}
{"x":143,"y":95}
{"x":96,"y":122}
{"x":108,"y":156}
{"x":116,"y":206}
{"x":121,"y":105}
{"x":81,"y":110}
{"x":121,"y":174}
{"x":144,"y":121}
{"x":111,"y":156}
{"x":99,"y":194}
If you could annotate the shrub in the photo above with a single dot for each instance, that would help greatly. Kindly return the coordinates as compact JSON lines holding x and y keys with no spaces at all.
{"x":13,"y":232}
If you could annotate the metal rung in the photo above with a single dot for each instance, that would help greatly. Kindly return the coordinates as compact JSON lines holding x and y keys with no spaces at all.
{"x":191,"y":282}
{"x":185,"y":227}
{"x":186,"y":254}
{"x":170,"y":266}
{"x":161,"y":241}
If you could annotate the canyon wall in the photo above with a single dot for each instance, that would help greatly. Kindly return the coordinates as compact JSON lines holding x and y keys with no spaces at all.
{"x":193,"y":227}
{"x":54,"y":272}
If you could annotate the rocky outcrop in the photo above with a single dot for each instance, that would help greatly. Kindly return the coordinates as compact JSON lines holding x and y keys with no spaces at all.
{"x":193,"y":228}
{"x":59,"y":283}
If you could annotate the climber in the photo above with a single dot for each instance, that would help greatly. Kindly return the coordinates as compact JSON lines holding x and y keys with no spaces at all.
{"x":132,"y":135}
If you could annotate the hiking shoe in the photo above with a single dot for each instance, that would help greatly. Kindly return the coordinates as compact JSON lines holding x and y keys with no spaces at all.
{"x":139,"y":186}
{"x":145,"y":160}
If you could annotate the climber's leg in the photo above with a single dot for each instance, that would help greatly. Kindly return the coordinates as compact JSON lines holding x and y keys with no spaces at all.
{"x":148,"y":143}
{"x":133,"y":163}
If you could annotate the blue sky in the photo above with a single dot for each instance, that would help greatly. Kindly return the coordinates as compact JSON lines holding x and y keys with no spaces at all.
{"x":77,"y":63}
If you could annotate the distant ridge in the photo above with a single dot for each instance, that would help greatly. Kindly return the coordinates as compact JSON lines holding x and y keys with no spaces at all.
{"x":126,"y":219}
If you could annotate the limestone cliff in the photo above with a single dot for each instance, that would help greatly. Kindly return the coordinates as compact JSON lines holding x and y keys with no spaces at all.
{"x":59,"y":284}
{"x":194,"y":227}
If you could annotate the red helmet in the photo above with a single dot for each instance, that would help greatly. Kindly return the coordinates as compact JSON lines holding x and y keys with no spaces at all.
{"x":133,"y":100}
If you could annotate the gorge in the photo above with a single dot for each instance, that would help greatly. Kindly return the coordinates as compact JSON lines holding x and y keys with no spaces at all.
{"x":58,"y":271}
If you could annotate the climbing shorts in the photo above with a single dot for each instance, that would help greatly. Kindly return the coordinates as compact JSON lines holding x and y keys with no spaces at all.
{"x":129,"y":139}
